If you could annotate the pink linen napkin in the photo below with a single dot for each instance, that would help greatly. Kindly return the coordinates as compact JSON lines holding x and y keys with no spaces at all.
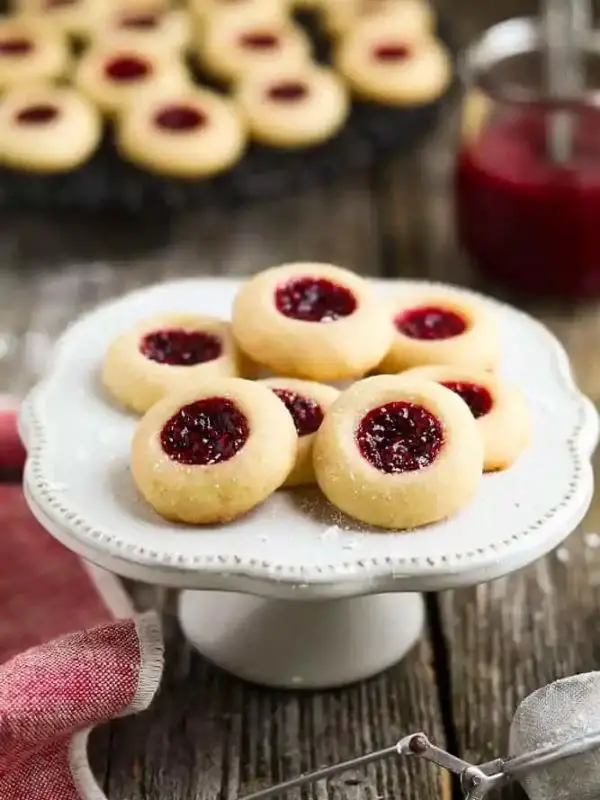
{"x":53,"y":691}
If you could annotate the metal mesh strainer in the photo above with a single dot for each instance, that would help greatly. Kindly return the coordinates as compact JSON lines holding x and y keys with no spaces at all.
{"x":554,"y":746}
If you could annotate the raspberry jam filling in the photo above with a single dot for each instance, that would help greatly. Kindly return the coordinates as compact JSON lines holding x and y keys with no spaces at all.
{"x":430,"y":322}
{"x":180,"y":348}
{"x":391,"y":52}
{"x":204,"y":433}
{"x":140,"y":21}
{"x":259,"y":41}
{"x":399,"y":437}
{"x":60,"y":3}
{"x":476,"y":397}
{"x":127,"y":68}
{"x":288,"y":92}
{"x":180,"y":118}
{"x":306,"y":413}
{"x":314,"y":300}
{"x":37,"y":115}
{"x":15,"y":47}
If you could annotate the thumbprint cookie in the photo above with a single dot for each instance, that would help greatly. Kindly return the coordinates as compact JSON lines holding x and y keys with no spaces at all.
{"x":207,"y":10}
{"x":30,"y":51}
{"x":232,"y":45}
{"x":410,"y":17}
{"x":211,"y":452}
{"x":292,"y":107}
{"x":165,"y":353}
{"x":314,"y":321}
{"x":47,"y":128}
{"x":165,"y":30}
{"x":500,"y":410}
{"x":77,"y":18}
{"x":114,"y":77}
{"x":307,"y":402}
{"x":441,"y":328}
{"x":193,"y":133}
{"x":383,"y":64}
{"x":398,"y":454}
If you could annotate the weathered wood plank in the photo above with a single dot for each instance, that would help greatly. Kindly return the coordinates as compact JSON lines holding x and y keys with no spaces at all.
{"x":210,"y":736}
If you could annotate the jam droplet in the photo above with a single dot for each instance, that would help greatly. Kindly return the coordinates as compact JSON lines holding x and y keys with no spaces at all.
{"x":259,"y":41}
{"x":180,"y":348}
{"x":314,"y":300}
{"x":476,"y":397}
{"x":15,"y":47}
{"x":204,"y":433}
{"x":391,"y":52}
{"x":140,"y":21}
{"x":399,"y":437}
{"x":430,"y":322}
{"x":180,"y":118}
{"x":306,"y":412}
{"x":288,"y":92}
{"x":38,"y":114}
{"x":127,"y":68}
{"x":50,"y":4}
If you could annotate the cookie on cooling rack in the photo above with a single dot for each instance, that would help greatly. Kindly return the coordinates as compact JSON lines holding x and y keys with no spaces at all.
{"x":164,"y":29}
{"x":434,"y":327}
{"x":292,"y":107}
{"x":383,"y":64}
{"x":190,"y":133}
{"x":74,"y":17}
{"x":398,"y":454}
{"x":47,"y":128}
{"x":113,"y":76}
{"x":307,"y":402}
{"x":313,"y":321}
{"x":211,"y":453}
{"x":230,"y":46}
{"x":206,"y":10}
{"x":500,"y":410}
{"x":165,"y":353}
{"x":412,"y":18}
{"x":30,"y":50}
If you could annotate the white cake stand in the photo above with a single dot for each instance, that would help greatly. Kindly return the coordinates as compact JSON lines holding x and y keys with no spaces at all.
{"x":295,"y":594}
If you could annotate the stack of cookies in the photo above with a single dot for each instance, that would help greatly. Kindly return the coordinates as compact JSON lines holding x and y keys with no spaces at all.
{"x":184,"y":88}
{"x":393,"y":407}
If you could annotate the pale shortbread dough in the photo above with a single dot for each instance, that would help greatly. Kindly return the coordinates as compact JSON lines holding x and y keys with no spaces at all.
{"x":213,"y":146}
{"x":505,"y":428}
{"x":292,"y":107}
{"x":303,"y":473}
{"x":399,"y":500}
{"x":216,"y":492}
{"x":45,"y":128}
{"x":137,"y":382}
{"x":164,"y":71}
{"x":333,"y":350}
{"x":478,"y":346}
{"x":419,"y":73}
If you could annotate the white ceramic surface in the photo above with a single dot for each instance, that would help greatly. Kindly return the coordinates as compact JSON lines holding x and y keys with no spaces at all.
{"x":296,"y":547}
{"x":296,"y":544}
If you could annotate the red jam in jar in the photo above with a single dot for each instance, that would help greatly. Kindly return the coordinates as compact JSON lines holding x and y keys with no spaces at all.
{"x":525,"y":220}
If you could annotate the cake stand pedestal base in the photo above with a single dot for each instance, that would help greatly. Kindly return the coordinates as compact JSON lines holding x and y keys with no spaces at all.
{"x":289,"y":644}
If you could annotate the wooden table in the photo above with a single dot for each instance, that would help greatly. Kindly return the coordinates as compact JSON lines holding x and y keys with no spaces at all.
{"x":209,"y":736}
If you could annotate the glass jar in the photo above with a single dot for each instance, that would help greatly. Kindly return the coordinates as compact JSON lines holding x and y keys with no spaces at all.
{"x":525,"y":219}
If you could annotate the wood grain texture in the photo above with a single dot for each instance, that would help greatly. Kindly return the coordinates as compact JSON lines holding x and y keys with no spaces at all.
{"x":209,"y":736}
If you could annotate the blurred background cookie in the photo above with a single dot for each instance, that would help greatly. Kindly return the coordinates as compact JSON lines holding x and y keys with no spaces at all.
{"x":164,"y":29}
{"x":232,"y":45}
{"x":113,"y":77}
{"x":30,"y":51}
{"x":189,"y":133}
{"x":292,"y":107}
{"x":47,"y":128}
{"x":77,"y":18}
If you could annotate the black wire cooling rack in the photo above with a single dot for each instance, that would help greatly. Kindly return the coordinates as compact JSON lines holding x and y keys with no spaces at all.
{"x":106,"y":183}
